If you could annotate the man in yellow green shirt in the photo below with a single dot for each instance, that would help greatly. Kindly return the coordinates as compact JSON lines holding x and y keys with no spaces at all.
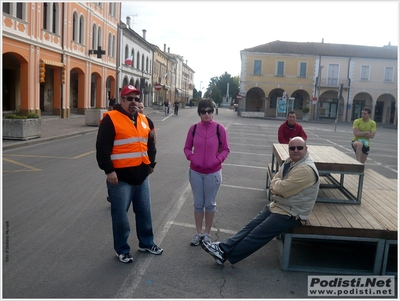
{"x":364,"y":129}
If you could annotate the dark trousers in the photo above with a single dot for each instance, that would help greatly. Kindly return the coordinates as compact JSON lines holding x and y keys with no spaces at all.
{"x":256,"y":234}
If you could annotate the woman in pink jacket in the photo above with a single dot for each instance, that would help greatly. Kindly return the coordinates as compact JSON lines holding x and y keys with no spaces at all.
{"x":206,"y":148}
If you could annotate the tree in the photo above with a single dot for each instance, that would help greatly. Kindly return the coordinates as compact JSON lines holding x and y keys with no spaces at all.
{"x":217,"y":88}
{"x":195,"y":93}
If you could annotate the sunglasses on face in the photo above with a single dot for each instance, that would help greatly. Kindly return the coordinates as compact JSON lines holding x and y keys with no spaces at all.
{"x":203,"y":112}
{"x":292,"y":148}
{"x":131,"y":98}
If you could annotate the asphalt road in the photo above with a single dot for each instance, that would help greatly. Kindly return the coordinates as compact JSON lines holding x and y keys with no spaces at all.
{"x":57,"y":240}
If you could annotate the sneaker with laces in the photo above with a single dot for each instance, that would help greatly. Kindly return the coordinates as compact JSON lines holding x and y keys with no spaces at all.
{"x":206,"y":237}
{"x":196,"y":240}
{"x":156,"y":250}
{"x":214,"y":250}
{"x":125,"y":258}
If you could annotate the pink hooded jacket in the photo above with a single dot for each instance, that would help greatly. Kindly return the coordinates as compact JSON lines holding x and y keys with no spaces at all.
{"x":202,"y":148}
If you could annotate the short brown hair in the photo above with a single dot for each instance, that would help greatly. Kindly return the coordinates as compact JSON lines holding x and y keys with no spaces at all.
{"x":205,"y":103}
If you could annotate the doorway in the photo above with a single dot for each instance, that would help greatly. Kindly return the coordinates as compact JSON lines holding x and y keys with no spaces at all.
{"x":358,"y":105}
{"x":378,"y":115}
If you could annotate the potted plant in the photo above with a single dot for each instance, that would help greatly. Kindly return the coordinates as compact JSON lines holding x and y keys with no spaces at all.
{"x":21,"y":127}
{"x":93,"y":116}
{"x":306,"y":113}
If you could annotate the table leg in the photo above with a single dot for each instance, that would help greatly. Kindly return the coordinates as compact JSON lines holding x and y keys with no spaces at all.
{"x":360,"y":185}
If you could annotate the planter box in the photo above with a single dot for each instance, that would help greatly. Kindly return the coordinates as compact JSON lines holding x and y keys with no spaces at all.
{"x":94,"y":116}
{"x":158,"y":107}
{"x":22,"y":129}
{"x":306,"y":116}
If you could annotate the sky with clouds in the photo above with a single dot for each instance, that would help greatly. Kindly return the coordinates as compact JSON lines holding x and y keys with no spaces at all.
{"x":211,"y":34}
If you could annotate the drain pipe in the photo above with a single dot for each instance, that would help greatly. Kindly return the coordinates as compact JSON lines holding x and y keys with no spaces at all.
{"x":348,"y":89}
{"x":62,"y":60}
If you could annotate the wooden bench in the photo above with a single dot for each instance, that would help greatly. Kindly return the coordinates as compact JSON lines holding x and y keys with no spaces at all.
{"x":372,"y":223}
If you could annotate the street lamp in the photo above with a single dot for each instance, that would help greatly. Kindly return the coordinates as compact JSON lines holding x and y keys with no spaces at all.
{"x":319,"y":92}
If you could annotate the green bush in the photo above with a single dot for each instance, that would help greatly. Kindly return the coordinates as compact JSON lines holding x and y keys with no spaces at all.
{"x":306,"y":110}
{"x":14,"y":116}
{"x":32,"y":115}
{"x":17,"y":116}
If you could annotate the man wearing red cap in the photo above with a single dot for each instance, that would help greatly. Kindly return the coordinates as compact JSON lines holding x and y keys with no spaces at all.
{"x":125,"y":150}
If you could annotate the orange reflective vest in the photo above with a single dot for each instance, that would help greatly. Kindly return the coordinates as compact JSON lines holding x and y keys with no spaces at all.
{"x":130,"y":142}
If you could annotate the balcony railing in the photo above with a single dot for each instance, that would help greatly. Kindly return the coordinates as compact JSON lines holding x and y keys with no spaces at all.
{"x":334,"y":82}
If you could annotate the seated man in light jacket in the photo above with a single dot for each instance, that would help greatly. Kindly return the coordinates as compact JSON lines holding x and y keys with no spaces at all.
{"x":294,"y":191}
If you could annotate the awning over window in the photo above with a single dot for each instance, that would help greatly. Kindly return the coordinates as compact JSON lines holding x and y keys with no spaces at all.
{"x":54,"y":63}
{"x":178,"y":90}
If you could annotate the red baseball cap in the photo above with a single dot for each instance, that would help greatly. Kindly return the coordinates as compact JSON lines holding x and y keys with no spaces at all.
{"x":129,"y":89}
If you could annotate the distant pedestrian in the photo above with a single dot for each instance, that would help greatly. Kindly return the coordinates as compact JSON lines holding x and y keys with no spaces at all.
{"x":364,"y":129}
{"x":176,"y":107}
{"x":290,"y":129}
{"x":112,"y":102}
{"x":166,"y":107}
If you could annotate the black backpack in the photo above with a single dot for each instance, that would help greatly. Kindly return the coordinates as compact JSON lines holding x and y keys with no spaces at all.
{"x":219,"y":140}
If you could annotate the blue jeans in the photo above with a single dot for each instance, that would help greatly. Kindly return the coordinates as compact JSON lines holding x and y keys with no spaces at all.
{"x":121,"y":197}
{"x":256,"y":234}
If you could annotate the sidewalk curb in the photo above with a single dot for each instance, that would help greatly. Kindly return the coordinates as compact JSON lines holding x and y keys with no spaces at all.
{"x":18,"y":144}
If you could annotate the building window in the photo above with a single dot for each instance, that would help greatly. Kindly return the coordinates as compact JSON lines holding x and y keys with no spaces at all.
{"x":7,"y":7}
{"x":109,"y":45}
{"x":113,"y":46}
{"x":45,"y":15}
{"x":81,"y":30}
{"x":126,"y":52}
{"x":388,"y":74}
{"x":20,"y":10}
{"x":94,"y":36}
{"x":113,"y":9}
{"x":99,"y":39}
{"x":15,"y":9}
{"x":138,"y":61}
{"x":55,"y":18}
{"x":279,"y":68}
{"x":74,"y":26}
{"x":364,"y":72}
{"x":257,"y":67}
{"x":272,"y":103}
{"x":303,"y":70}
{"x":333,"y":74}
{"x":298,"y":102}
{"x":51,"y":17}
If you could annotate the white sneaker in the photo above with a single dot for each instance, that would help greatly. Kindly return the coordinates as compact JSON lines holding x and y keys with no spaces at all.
{"x":214,"y":250}
{"x":196,"y":240}
{"x":125,"y":258}
{"x":206,"y":238}
{"x":156,"y":250}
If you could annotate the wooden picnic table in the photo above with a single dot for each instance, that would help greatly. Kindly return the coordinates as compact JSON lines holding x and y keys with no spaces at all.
{"x":328,"y":161}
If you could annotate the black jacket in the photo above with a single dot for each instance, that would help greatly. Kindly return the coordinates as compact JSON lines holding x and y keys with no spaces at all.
{"x":104,"y":145}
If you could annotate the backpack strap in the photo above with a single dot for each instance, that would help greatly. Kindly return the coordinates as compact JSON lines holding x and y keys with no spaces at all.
{"x":194,"y":130}
{"x":219,"y":139}
{"x":218,"y":134}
